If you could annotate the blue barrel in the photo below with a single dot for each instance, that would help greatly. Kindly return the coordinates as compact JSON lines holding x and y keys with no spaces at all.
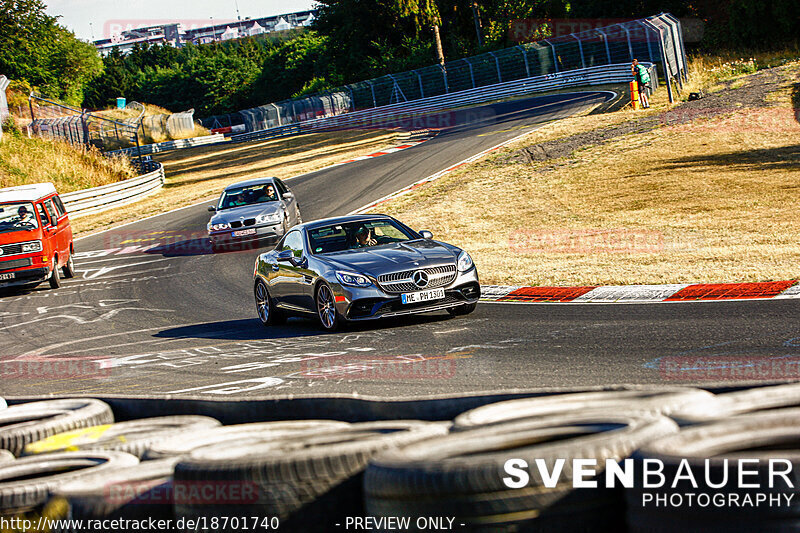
{"x":121,"y":103}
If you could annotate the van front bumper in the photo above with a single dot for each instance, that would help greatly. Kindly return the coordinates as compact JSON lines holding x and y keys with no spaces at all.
{"x":28,"y":276}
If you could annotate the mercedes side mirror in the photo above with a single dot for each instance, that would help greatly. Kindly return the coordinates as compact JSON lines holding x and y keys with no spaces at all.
{"x":426,"y":234}
{"x":285,"y":256}
{"x":212,"y":209}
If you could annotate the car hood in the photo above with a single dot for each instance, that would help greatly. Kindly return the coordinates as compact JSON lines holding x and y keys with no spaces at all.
{"x":246,"y":211}
{"x":394,"y":258}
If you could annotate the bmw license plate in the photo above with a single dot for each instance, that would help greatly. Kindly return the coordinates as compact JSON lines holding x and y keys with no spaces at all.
{"x":4,"y":277}
{"x":242,"y":233}
{"x":422,"y":296}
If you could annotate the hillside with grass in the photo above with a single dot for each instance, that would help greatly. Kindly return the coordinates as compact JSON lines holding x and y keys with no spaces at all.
{"x":701,"y":191}
{"x":69,"y":168}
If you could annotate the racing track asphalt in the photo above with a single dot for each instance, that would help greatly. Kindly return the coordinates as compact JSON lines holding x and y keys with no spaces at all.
{"x":180,"y":320}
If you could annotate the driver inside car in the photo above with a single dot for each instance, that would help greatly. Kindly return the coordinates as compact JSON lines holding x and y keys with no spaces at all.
{"x":364,"y":238}
{"x":24,"y":217}
{"x":270,"y":195}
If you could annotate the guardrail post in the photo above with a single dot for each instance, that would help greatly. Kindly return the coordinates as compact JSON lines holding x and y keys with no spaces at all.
{"x":278,"y":113}
{"x":497,"y":64}
{"x":605,"y":40}
{"x":372,"y":88}
{"x":444,"y":77}
{"x":580,"y":49}
{"x":421,"y":90}
{"x":555,"y":57}
{"x":630,"y":46}
{"x":525,"y":58}
{"x":471,"y":73}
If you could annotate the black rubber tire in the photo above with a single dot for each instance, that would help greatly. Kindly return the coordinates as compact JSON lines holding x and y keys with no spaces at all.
{"x":69,"y":269}
{"x":28,"y":422}
{"x":269,"y":314}
{"x":761,"y":436}
{"x":6,"y":456}
{"x":462,"y":310}
{"x":177,"y":446}
{"x":144,"y":490}
{"x":739,"y":402}
{"x":461,"y":475}
{"x":54,"y":279}
{"x":331,"y":322}
{"x":654,"y":400}
{"x":134,"y":437}
{"x":36,"y":477}
{"x":311,"y":482}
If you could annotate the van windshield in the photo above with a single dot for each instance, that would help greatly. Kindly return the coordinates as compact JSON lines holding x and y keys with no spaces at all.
{"x":17,"y":216}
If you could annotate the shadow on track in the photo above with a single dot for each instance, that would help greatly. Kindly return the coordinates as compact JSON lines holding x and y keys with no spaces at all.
{"x":251,"y":329}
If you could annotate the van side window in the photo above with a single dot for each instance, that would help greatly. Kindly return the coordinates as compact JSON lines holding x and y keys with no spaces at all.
{"x":59,"y":206}
{"x":52,"y":211}
{"x":43,"y":215}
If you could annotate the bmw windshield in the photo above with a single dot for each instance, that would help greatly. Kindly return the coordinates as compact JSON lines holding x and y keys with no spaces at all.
{"x":357,"y":235}
{"x":253,"y":194}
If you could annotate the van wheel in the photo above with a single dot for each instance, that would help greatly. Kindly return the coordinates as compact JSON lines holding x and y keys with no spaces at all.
{"x":55,"y":279}
{"x":69,"y":268}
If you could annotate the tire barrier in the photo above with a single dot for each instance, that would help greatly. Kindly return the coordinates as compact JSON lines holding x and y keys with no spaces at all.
{"x":28,"y":482}
{"x":461,"y":475}
{"x":134,"y":437}
{"x":739,"y":402}
{"x":307,"y":475}
{"x":652,"y":400}
{"x":128,"y":492}
{"x":298,"y":479}
{"x":30,"y":422}
{"x":180,"y":445}
{"x":706,"y":454}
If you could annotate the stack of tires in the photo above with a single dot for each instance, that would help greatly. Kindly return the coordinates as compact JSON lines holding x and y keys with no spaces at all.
{"x":528,"y":465}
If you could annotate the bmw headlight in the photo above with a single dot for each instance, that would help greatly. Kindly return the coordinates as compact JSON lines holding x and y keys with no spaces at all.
{"x":33,"y":246}
{"x":464,"y":262}
{"x":268,"y":219}
{"x":218,"y":227}
{"x":351,"y":279}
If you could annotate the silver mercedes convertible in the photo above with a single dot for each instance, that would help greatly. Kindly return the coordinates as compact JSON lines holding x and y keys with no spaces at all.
{"x":362,"y":267}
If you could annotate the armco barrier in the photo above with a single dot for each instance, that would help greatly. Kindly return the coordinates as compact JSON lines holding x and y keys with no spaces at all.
{"x":171,"y":145}
{"x":392,"y":115}
{"x":98,"y":199}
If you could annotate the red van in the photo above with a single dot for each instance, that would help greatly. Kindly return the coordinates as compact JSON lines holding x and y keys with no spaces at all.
{"x":35,"y":237}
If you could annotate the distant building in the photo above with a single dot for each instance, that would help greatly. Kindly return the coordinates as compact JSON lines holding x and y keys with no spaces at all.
{"x":174,"y":34}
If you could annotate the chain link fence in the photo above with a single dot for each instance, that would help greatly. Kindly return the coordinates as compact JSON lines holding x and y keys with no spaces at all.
{"x":656,"y":39}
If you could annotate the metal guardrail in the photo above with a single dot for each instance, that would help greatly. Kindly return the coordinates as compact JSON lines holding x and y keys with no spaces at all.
{"x":170,"y":145}
{"x":656,"y":39}
{"x":396,"y":115}
{"x":270,"y":133}
{"x":99,"y":199}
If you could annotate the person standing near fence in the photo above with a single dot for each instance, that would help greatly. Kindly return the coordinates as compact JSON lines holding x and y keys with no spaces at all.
{"x":643,"y":81}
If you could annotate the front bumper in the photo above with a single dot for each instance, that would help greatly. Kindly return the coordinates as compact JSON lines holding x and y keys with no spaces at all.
{"x":29,"y":276}
{"x":370,"y":303}
{"x":263,"y":232}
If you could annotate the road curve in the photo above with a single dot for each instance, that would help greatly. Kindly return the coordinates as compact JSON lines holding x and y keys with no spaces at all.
{"x":180,"y":320}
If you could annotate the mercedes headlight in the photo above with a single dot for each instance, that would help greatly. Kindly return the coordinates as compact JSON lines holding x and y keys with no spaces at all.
{"x":464,"y":262}
{"x":218,"y":227}
{"x":351,"y":279}
{"x":268,"y":219}
{"x":33,"y":246}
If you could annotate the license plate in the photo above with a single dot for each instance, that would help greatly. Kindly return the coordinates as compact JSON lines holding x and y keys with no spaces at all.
{"x":4,"y":277}
{"x":423,"y":296}
{"x":242,"y":233}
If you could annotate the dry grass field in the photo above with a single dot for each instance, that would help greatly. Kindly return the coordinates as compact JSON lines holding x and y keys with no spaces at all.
{"x":713,"y":198}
